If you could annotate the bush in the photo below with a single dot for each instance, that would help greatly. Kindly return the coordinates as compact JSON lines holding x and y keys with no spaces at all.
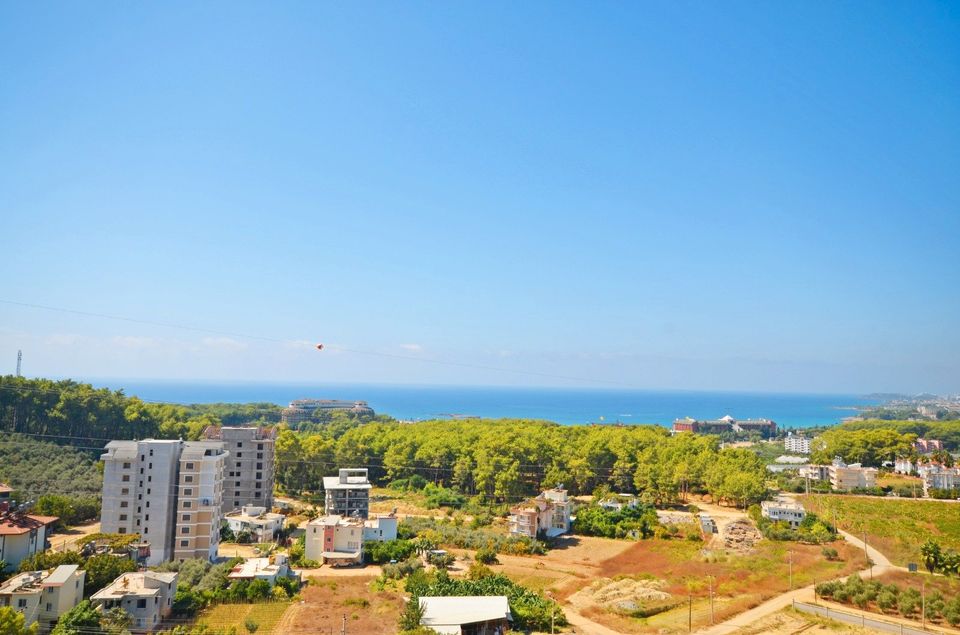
{"x":383,"y":552}
{"x":830,"y":553}
{"x":487,"y":555}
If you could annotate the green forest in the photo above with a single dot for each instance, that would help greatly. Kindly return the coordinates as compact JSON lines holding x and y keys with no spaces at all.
{"x":874,"y":441}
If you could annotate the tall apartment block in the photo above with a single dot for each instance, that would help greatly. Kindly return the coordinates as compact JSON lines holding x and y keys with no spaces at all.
{"x":250,"y":469}
{"x":348,"y":493}
{"x":142,"y":488}
{"x":199,"y":500}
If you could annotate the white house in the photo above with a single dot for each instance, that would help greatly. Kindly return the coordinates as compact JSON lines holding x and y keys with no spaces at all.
{"x":618,"y":502}
{"x":22,"y":535}
{"x":261,"y":524}
{"x":380,"y":529}
{"x":43,"y":596}
{"x":903,"y":466}
{"x":268,"y":569}
{"x":146,"y":595}
{"x":473,"y":615}
{"x":335,"y":540}
{"x":783,"y":511}
{"x":939,"y":477}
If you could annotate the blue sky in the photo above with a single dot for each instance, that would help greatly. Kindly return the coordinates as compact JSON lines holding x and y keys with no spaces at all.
{"x":753,"y":196}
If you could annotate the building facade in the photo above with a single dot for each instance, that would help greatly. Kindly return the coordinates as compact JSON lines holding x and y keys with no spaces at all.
{"x":22,"y":535}
{"x":146,"y":595}
{"x":250,"y":470}
{"x":845,"y":477}
{"x":335,"y":540}
{"x":301,"y":410}
{"x":43,"y":596}
{"x":348,"y":493}
{"x":166,"y":491}
{"x":783,"y":511}
{"x":262,"y":525}
{"x":199,"y":500}
{"x":797,"y":444}
{"x":548,"y":513}
{"x":765,"y":427}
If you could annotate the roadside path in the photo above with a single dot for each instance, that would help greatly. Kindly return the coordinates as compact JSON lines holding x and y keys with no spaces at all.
{"x":584,"y":625}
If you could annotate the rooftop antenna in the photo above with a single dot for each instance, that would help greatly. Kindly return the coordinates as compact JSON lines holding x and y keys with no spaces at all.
{"x":19,"y":359}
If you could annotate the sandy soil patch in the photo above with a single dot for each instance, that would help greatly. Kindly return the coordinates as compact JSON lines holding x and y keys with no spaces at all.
{"x":327,"y":600}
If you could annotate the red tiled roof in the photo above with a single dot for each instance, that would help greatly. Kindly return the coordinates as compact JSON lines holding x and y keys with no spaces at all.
{"x":5,"y":488}
{"x":23,"y":524}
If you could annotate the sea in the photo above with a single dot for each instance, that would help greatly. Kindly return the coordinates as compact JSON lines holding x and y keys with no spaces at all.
{"x":567,"y":406}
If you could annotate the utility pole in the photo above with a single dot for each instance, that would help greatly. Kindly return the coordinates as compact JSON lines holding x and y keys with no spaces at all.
{"x":19,"y":359}
{"x":690,"y":614}
{"x":791,"y":569}
{"x":343,"y":629}
{"x":923,"y":604}
{"x":711,"y":600}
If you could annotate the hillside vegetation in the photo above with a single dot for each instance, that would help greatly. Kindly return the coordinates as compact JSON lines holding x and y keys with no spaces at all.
{"x":34,"y":468}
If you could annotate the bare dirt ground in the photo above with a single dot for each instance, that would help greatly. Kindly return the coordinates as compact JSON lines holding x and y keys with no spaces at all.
{"x":327,"y":602}
{"x":788,"y":622}
{"x":72,"y":538}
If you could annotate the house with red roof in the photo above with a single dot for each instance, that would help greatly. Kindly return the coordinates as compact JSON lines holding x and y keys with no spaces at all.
{"x":21,"y":534}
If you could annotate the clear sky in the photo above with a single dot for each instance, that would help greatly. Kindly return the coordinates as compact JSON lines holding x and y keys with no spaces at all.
{"x":753,"y":196}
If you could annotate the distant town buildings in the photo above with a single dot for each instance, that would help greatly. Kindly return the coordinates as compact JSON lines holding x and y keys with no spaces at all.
{"x":939,"y":477}
{"x":927,"y":446}
{"x":43,"y":596}
{"x":21,"y":534}
{"x":301,"y":410}
{"x":783,"y":511}
{"x":146,"y":595}
{"x":262,"y":525}
{"x":169,"y":492}
{"x":765,"y":427}
{"x":903,"y":466}
{"x":797,"y":444}
{"x":250,"y":468}
{"x":548,"y":513}
{"x":348,"y":493}
{"x":471,"y":615}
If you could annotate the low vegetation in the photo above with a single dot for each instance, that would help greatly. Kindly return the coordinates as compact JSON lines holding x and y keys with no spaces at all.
{"x":635,"y":523}
{"x":892,"y":599}
{"x":447,"y":532}
{"x":34,"y":468}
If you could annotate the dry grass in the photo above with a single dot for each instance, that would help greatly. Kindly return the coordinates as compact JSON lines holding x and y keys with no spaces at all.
{"x":326,"y":601}
{"x":225,"y":616}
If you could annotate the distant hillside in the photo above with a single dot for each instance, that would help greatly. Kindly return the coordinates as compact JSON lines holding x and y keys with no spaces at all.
{"x":34,"y":468}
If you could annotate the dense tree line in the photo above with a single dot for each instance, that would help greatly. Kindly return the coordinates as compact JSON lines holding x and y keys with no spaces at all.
{"x":870,"y":446}
{"x":34,"y":467}
{"x":505,"y":460}
{"x":946,"y":431}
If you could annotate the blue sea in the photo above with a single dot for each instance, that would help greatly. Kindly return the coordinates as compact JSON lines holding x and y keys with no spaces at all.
{"x":563,"y":405}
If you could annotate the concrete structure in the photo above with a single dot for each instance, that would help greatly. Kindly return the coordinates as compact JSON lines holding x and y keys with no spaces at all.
{"x":618,"y":502}
{"x":797,"y":444}
{"x":22,"y":535}
{"x":250,"y":469}
{"x":707,"y":524}
{"x":845,"y":477}
{"x":170,"y":492}
{"x":301,"y":410}
{"x":903,"y":466}
{"x":783,"y":511}
{"x":548,"y":513}
{"x":199,"y":500}
{"x":939,"y":477}
{"x":139,"y":492}
{"x":146,"y":595}
{"x":348,"y":493}
{"x":268,"y":569}
{"x":383,"y":528}
{"x":262,"y":525}
{"x":335,"y":540}
{"x":471,"y":615}
{"x":766,"y":427}
{"x":815,"y":472}
{"x":43,"y":596}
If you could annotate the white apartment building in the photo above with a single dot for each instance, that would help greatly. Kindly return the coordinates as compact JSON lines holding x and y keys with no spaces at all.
{"x":140,"y":492}
{"x":199,"y":499}
{"x":348,"y":493}
{"x":262,"y":525}
{"x":548,"y":513}
{"x":845,"y":477}
{"x":146,"y":595}
{"x":334,"y":539}
{"x":939,"y":477}
{"x":783,"y":511}
{"x":43,"y":596}
{"x":144,"y":492}
{"x":250,"y":470}
{"x":815,"y":472}
{"x":797,"y":444}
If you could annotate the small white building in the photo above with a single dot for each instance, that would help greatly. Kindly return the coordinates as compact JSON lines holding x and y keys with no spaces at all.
{"x":903,"y":466}
{"x":473,"y":615}
{"x":262,"y":525}
{"x":815,"y":472}
{"x":783,"y":511}
{"x":146,"y":595}
{"x":383,"y":528}
{"x":797,"y":444}
{"x":22,"y":535}
{"x":548,"y":513}
{"x":335,"y":540}
{"x":619,"y":502}
{"x":43,"y":596}
{"x":268,"y":569}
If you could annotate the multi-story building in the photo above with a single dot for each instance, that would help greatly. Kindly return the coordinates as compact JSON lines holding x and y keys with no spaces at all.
{"x":765,"y":427}
{"x":348,"y":493}
{"x":43,"y":596}
{"x":783,"y":511}
{"x":140,"y":492}
{"x":263,"y":526}
{"x":22,"y":535}
{"x":145,"y":492}
{"x":797,"y":444}
{"x":548,"y":513}
{"x":199,"y":500}
{"x":903,"y":466}
{"x":815,"y":472}
{"x":250,"y":470}
{"x":338,"y":540}
{"x":926,"y":446}
{"x":301,"y":410}
{"x":845,"y":477}
{"x":147,"y":596}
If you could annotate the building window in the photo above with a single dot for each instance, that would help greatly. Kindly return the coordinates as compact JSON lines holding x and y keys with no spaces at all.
{"x":237,"y":484}
{"x":184,"y":530}
{"x":259,"y":475}
{"x":259,"y":455}
{"x":239,"y":445}
{"x":189,"y":466}
{"x":239,"y":454}
{"x":49,"y":606}
{"x":236,"y":493}
{"x":259,"y":466}
{"x":124,"y":491}
{"x":123,"y":516}
{"x":122,"y":530}
{"x":187,"y":504}
{"x":123,"y":503}
{"x":149,"y":466}
{"x":184,"y":543}
{"x":188,"y":491}
{"x":151,"y":452}
{"x":141,"y":604}
{"x":125,"y":478}
{"x":149,"y":491}
{"x":188,"y":479}
{"x":22,"y":603}
{"x":259,"y":446}
{"x":126,"y":466}
{"x":148,"y":504}
{"x":186,"y":516}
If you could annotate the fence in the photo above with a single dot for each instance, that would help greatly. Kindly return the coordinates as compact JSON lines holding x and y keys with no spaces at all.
{"x":861,"y":619}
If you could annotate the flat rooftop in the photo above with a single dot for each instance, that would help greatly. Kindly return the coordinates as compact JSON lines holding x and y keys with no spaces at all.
{"x":133,"y":584}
